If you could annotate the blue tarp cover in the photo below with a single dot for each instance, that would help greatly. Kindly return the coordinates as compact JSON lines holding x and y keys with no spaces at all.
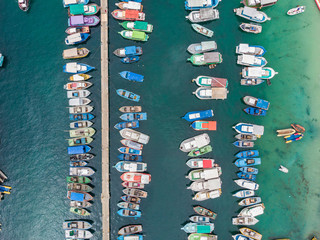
{"x":77,"y":196}
{"x":130,"y":50}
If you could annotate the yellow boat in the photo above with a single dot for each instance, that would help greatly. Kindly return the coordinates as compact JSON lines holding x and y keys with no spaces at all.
{"x":79,"y":77}
{"x":73,"y":53}
{"x":314,"y":238}
{"x":5,"y":189}
{"x":82,"y":132}
{"x":250,"y":233}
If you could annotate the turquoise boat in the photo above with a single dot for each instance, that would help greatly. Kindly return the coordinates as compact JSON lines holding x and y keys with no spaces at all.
{"x":129,"y":213}
{"x":258,"y":72}
{"x":128,"y":95}
{"x":68,"y":3}
{"x":206,"y":58}
{"x":200,"y":151}
{"x":131,"y":237}
{"x":198,"y":228}
{"x":134,"y":35}
{"x":245,"y":162}
{"x":1,"y":59}
{"x":137,"y":25}
{"x":82,"y":9}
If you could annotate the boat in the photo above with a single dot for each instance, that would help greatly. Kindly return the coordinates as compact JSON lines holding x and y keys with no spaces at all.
{"x":131,"y":124}
{"x":130,"y":229}
{"x":132,"y":185}
{"x":76,"y":53}
{"x":259,"y":3}
{"x":84,"y":156}
{"x":1,"y":59}
{"x":252,"y":211}
{"x":206,"y":58}
{"x":78,"y":163}
{"x":79,"y":101}
{"x":81,"y":171}
{"x":84,"y":180}
{"x":134,"y":35}
{"x":131,"y":76}
{"x":246,"y":176}
{"x":256,"y":102}
{"x":198,"y":4}
{"x":204,"y":174}
{"x":251,"y":14}
{"x":195,"y":142}
{"x":244,"y":48}
{"x":244,"y":221}
{"x":130,"y":5}
{"x":200,"y":163}
{"x":128,"y":95}
{"x":206,"y":93}
{"x":251,"y":81}
{"x":133,"y":135}
{"x":293,"y":137}
{"x":80,"y":211}
{"x":127,"y":198}
{"x":249,"y":170}
{"x":129,"y":157}
{"x":68,"y":3}
{"x":247,"y":184}
{"x":258,"y":72}
{"x":83,"y":9}
{"x":205,"y":212}
{"x":79,"y":196}
{"x":78,"y":93}
{"x":73,"y":68}
{"x":81,"y":120}
{"x":199,"y":219}
{"x":131,"y":144}
{"x":200,"y":151}
{"x":251,"y":28}
{"x":80,"y":109}
{"x":283,"y":169}
{"x":285,"y":132}
{"x":78,"y":234}
{"x":73,"y":39}
{"x":82,"y":132}
{"x":128,"y":14}
{"x":143,"y":178}
{"x":79,"y":149}
{"x":5,"y":190}
{"x":24,"y":5}
{"x":202,"y":30}
{"x":255,"y":111}
{"x":201,"y":196}
{"x":80,"y":204}
{"x":206,"y":81}
{"x":298,"y":128}
{"x":203,"y":15}
{"x":244,"y":193}
{"x":80,"y":21}
{"x":245,"y":162}
{"x":132,"y":59}
{"x":73,"y":30}
{"x":129,"y":213}
{"x":251,"y":60}
{"x":249,"y":128}
{"x":243,"y":144}
{"x":128,"y":205}
{"x":248,"y":153}
{"x":250,"y":201}
{"x":76,"y":225}
{"x":131,"y":237}
{"x":250,"y":233}
{"x":248,"y":137}
{"x":124,"y":166}
{"x":77,"y":85}
{"x":203,"y":186}
{"x":130,"y":109}
{"x":202,"y":236}
{"x":138,"y":26}
{"x":79,"y":141}
{"x":198,"y":115}
{"x":204,"y":125}
{"x":296,"y":10}
{"x":206,"y":46}
{"x":198,"y":228}
{"x":135,"y":192}
{"x":318,"y":5}
{"x":128,"y":51}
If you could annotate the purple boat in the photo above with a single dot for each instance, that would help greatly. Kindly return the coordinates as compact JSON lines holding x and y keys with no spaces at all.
{"x":80,"y":20}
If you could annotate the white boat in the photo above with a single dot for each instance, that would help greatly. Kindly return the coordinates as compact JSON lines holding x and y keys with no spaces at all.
{"x":202,"y":47}
{"x":133,"y":135}
{"x":212,"y":184}
{"x":249,"y":128}
{"x":200,"y":163}
{"x":81,"y":124}
{"x":202,"y":30}
{"x":283,"y":169}
{"x":199,"y":219}
{"x":203,"y":15}
{"x":78,"y":93}
{"x":195,"y":142}
{"x":79,"y":101}
{"x":247,"y":184}
{"x":80,"y":109}
{"x":251,"y":14}
{"x":130,"y":5}
{"x":252,"y":211}
{"x":247,"y":221}
{"x":258,"y":72}
{"x":206,"y":93}
{"x":78,"y":234}
{"x":259,"y":3}
{"x":296,"y":10}
{"x":81,"y":171}
{"x":251,"y":60}
{"x":76,"y":225}
{"x":201,"y":196}
{"x":79,"y":77}
{"x":251,"y":28}
{"x":244,"y":48}
{"x":132,"y":144}
{"x":204,"y":174}
{"x":244,"y":194}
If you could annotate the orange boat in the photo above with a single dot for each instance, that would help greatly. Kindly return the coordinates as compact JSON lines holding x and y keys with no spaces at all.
{"x":298,"y":128}
{"x":131,"y":15}
{"x":143,"y":178}
{"x":204,"y":125}
{"x":318,"y":3}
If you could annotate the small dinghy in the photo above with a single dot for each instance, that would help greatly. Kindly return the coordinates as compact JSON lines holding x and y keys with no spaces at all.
{"x":246,"y":137}
{"x":129,"y":213}
{"x":202,"y":30}
{"x":198,"y":228}
{"x":206,"y":81}
{"x":130,"y":166}
{"x":251,"y":14}
{"x":81,"y":20}
{"x":243,"y":144}
{"x":202,"y":47}
{"x":198,"y":115}
{"x":200,"y":151}
{"x":255,"y":111}
{"x":134,"y":35}
{"x":201,"y":196}
{"x":78,"y":163}
{"x":247,"y":154}
{"x":256,"y":102}
{"x":75,"y":53}
{"x":80,"y":204}
{"x":200,"y":163}
{"x":293,"y":137}
{"x":130,"y":229}
{"x":250,"y":201}
{"x":128,"y":51}
{"x":73,"y":30}
{"x":80,"y":109}
{"x":205,"y":212}
{"x":130,"y":5}
{"x":84,"y":156}
{"x":74,"y":68}
{"x":76,"y":225}
{"x":80,"y":211}
{"x":132,"y":185}
{"x":81,"y":117}
{"x":132,"y":192}
{"x":128,"y":14}
{"x":251,"y":61}
{"x":131,"y":76}
{"x":77,"y":85}
{"x":138,"y":26}
{"x":195,"y":142}
{"x":127,"y":205}
{"x":73,"y":39}
{"x":298,"y":128}
{"x":79,"y":101}
{"x":296,"y":10}
{"x":244,"y":194}
{"x":245,"y":162}
{"x":247,"y":176}
{"x":199,"y":219}
{"x":130,"y":109}
{"x":131,"y":144}
{"x":127,"y":198}
{"x":247,"y":184}
{"x":249,"y":170}
{"x":203,"y":15}
{"x":251,"y":28}
{"x":78,"y":93}
{"x":79,"y":187}
{"x":251,"y":82}
{"x":132,"y":59}
{"x":81,"y":171}
{"x":244,"y":221}
{"x":134,"y":116}
{"x":250,"y":233}
{"x":123,"y":125}
{"x":78,"y":234}
{"x":285,"y":132}
{"x":128,"y":95}
{"x":24,"y":5}
{"x":126,"y":150}
{"x":129,"y":157}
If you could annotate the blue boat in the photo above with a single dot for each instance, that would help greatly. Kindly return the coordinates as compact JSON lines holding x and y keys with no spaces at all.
{"x":128,"y":95}
{"x":79,"y":149}
{"x":5,"y":189}
{"x":74,"y":68}
{"x":76,"y":38}
{"x":249,"y":170}
{"x":134,"y":116}
{"x":79,"y":196}
{"x":131,"y":76}
{"x":244,"y":162}
{"x":78,"y":163}
{"x":249,"y":153}
{"x":256,"y":102}
{"x":82,"y":116}
{"x":126,"y":150}
{"x":1,"y":59}
{"x":198,"y":4}
{"x":244,"y":48}
{"x":122,"y":125}
{"x":129,"y":157}
{"x":129,"y":213}
{"x":130,"y":59}
{"x":135,"y":237}
{"x":129,"y":51}
{"x":255,"y":111}
{"x":243,"y":144}
{"x":240,"y":237}
{"x":251,"y":14}
{"x":247,"y":176}
{"x":198,"y":115}
{"x":249,"y":128}
{"x":67,"y":3}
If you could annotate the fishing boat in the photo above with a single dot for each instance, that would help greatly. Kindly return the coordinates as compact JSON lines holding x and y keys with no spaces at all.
{"x":246,"y":137}
{"x":243,"y":144}
{"x":206,"y":93}
{"x":128,"y":95}
{"x":128,"y":205}
{"x":244,"y":194}
{"x":68,"y":3}
{"x":256,"y":102}
{"x":283,"y":169}
{"x":73,"y":30}
{"x":200,"y":163}
{"x":79,"y":149}
{"x":246,"y":176}
{"x":135,"y":192}
{"x":204,"y":125}
{"x":24,"y":5}
{"x":134,"y":116}
{"x":203,"y":15}
{"x":79,"y":101}
{"x":138,"y":26}
{"x":198,"y":4}
{"x":249,"y":128}
{"x":129,"y":157}
{"x":251,"y":60}
{"x":250,"y":201}
{"x":131,"y":237}
{"x":80,"y":204}
{"x":79,"y":141}
{"x":131,"y":144}
{"x":76,"y":53}
{"x":204,"y":174}
{"x":258,"y":72}
{"x":132,"y":59}
{"x":202,"y":30}
{"x":205,"y":212}
{"x":252,"y":211}
{"x":134,"y":35}
{"x":251,"y":14}
{"x":244,"y":48}
{"x":78,"y":163}
{"x":201,"y":196}
{"x":80,"y":109}
{"x":78,"y":234}
{"x":130,"y":229}
{"x":74,"y":68}
{"x":245,"y":162}
{"x":246,"y":154}
{"x":82,"y":132}
{"x":318,"y":5}
{"x":128,"y":14}
{"x":79,"y":196}
{"x":80,"y":211}
{"x":285,"y":132}
{"x":83,"y":9}
{"x":199,"y":219}
{"x":130,"y":5}
{"x":79,"y":77}
{"x":129,"y":213}
{"x":202,"y":236}
{"x":203,"y":186}
{"x":78,"y":93}
{"x":198,"y":115}
{"x":124,"y":166}
{"x":81,"y":171}
{"x":195,"y":142}
{"x":244,"y":221}
{"x":128,"y":51}
{"x":123,"y":125}
{"x":206,"y":81}
{"x":127,"y":150}
{"x":255,"y":111}
{"x":259,"y":3}
{"x":200,"y":151}
{"x":249,"y":170}
{"x":202,"y":47}
{"x":131,"y":199}
{"x":131,"y":76}
{"x":84,"y":156}
{"x":296,"y":10}
{"x":132,"y":185}
{"x":251,"y":28}
{"x":143,"y":178}
{"x":293,"y":137}
{"x":76,"y":225}
{"x":82,"y":120}
{"x":206,"y":58}
{"x":198,"y":228}
{"x":247,"y":184}
{"x":251,"y":81}
{"x":298,"y":128}
{"x":78,"y":179}
{"x":77,"y":85}
{"x":73,"y":39}
{"x":133,"y":135}
{"x":130,"y":109}
{"x":80,"y":21}
{"x":250,"y":233}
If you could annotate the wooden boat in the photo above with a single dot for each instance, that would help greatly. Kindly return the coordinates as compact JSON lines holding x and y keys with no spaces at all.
{"x":293,"y":137}
{"x":203,"y":15}
{"x":78,"y":234}
{"x":133,"y":135}
{"x":205,"y":212}
{"x":132,"y":185}
{"x":128,"y":14}
{"x":68,"y":3}
{"x":198,"y":228}
{"x":78,"y":157}
{"x":129,"y":157}
{"x":75,"y":53}
{"x":198,"y":115}
{"x":206,"y":81}
{"x":80,"y":204}
{"x":72,"y":30}
{"x":206,"y":58}
{"x":123,"y":125}
{"x":73,"y":39}
{"x":251,"y":60}
{"x":81,"y":117}
{"x":200,"y":219}
{"x":251,"y":28}
{"x":77,"y":85}
{"x":76,"y":225}
{"x":244,"y":162}
{"x":79,"y":187}
{"x":138,"y":26}
{"x":195,"y":142}
{"x":250,"y":233}
{"x":130,"y":109}
{"x":130,"y":166}
{"x":83,"y":9}
{"x":251,"y":81}
{"x":247,"y":184}
{"x":296,"y":10}
{"x":202,"y":30}
{"x":258,"y":3}
{"x":131,"y":144}
{"x":246,"y":137}
{"x":84,"y":180}
{"x":249,"y":128}
{"x":134,"y":35}
{"x":78,"y":93}
{"x":143,"y":178}
{"x":79,"y":196}
{"x":24,"y":5}
{"x":130,"y":229}
{"x":80,"y":109}
{"x":79,"y":141}
{"x":129,"y":213}
{"x":131,"y":76}
{"x":253,"y":211}
{"x":244,"y":193}
{"x":204,"y":174}
{"x":78,"y":163}
{"x":249,"y":170}
{"x":256,"y":102}
{"x":244,"y":221}
{"x":128,"y":95}
{"x":200,"y":151}
{"x":200,"y":163}
{"x":255,"y":111}
{"x":202,"y":47}
{"x":135,"y":192}
{"x":128,"y":60}
{"x":202,"y":236}
{"x":79,"y":101}
{"x":201,"y":196}
{"x":128,"y":205}
{"x":298,"y":128}
{"x":81,"y":20}
{"x":127,"y":198}
{"x":130,"y":5}
{"x":201,"y":125}
{"x":79,"y":149}
{"x":82,"y":132}
{"x":250,"y":201}
{"x":247,"y":154}
{"x":80,"y":211}
{"x":73,"y":68}
{"x":128,"y":51}
{"x":208,"y":185}
{"x":243,"y":144}
{"x":244,"y":48}
{"x":285,"y":132}
{"x":199,"y":4}
{"x":246,"y":176}
{"x":207,"y":93}
{"x":251,"y":14}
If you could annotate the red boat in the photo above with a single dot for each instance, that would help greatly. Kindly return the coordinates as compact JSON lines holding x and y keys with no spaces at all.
{"x":131,"y":15}
{"x":298,"y":128}
{"x":24,"y":5}
{"x":143,"y":178}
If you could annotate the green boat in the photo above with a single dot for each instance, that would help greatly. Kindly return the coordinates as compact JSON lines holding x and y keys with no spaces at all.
{"x":82,"y":132}
{"x":79,"y":141}
{"x":82,"y":9}
{"x":134,"y":35}
{"x":202,"y":236}
{"x":79,"y":211}
{"x":206,"y":58}
{"x":200,"y":151}
{"x":137,"y":25}
{"x":78,"y":180}
{"x":79,"y":187}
